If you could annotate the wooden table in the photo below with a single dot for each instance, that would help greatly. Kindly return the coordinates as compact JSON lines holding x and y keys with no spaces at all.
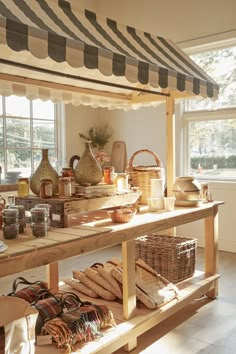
{"x":28,"y":252}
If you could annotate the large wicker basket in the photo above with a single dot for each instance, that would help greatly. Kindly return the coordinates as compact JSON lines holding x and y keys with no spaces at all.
{"x":140,"y":175}
{"x":171,"y":256}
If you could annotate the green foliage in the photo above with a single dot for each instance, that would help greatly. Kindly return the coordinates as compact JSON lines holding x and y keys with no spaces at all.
{"x":207,"y":162}
{"x":99,"y":136}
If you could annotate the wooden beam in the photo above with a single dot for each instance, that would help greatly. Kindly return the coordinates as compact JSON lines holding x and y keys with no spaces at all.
{"x":170,"y":144}
{"x":61,"y":87}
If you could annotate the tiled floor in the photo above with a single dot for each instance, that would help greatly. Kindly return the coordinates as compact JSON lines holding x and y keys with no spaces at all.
{"x":205,"y":326}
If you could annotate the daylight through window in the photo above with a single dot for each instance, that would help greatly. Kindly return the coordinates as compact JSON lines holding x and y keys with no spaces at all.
{"x":25,"y":128}
{"x":210,"y":127}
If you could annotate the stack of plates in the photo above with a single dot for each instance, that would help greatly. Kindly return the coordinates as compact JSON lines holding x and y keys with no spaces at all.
{"x":3,"y":246}
{"x":11,"y":177}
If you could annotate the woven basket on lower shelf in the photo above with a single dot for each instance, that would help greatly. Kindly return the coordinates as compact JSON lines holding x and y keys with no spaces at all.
{"x":171,"y":256}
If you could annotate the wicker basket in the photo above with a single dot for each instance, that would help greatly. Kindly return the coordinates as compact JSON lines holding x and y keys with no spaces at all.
{"x":140,"y":175}
{"x":171,"y":256}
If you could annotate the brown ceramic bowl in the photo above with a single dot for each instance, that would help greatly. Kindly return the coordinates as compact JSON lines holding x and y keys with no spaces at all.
{"x":122,"y":215}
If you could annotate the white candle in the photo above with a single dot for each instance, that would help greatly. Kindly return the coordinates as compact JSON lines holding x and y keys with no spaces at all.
{"x":156,"y":189}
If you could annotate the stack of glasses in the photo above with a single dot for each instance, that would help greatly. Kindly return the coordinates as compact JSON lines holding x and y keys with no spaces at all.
{"x":39,"y":221}
{"x":10,"y":225}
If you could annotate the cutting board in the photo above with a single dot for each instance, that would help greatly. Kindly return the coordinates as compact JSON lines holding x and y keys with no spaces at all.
{"x":119,"y":156}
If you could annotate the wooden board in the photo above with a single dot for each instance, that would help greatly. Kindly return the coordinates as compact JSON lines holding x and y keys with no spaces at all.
{"x":119,"y":156}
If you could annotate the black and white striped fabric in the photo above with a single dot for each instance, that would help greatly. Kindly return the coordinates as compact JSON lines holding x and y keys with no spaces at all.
{"x":58,"y":30}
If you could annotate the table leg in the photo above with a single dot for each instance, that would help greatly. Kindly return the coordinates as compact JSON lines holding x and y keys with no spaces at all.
{"x":211,"y":248}
{"x":129,"y":291}
{"x":53,"y":276}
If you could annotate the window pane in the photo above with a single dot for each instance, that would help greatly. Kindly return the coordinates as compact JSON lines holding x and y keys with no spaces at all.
{"x":43,"y":134}
{"x":18,"y":132}
{"x":43,"y":110}
{"x":220,"y":64}
{"x":19,"y":160}
{"x":17,"y":106}
{"x":213,"y":148}
{"x":1,"y":105}
{"x":1,"y":133}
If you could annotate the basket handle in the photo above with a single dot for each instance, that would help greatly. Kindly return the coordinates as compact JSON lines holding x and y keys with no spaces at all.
{"x":158,"y":161}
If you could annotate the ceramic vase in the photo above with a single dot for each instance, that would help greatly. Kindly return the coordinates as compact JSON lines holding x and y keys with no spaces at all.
{"x":44,"y":170}
{"x":186,"y":188}
{"x":88,"y":169}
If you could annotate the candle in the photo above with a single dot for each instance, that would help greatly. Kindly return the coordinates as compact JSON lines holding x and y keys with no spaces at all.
{"x":156,"y":189}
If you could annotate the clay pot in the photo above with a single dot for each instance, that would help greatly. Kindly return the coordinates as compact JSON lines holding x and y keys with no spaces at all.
{"x":186,"y":188}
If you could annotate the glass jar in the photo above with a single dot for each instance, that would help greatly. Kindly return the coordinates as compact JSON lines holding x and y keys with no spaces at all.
{"x":23,"y":187}
{"x":64,"y":187}
{"x":10,"y":216}
{"x":38,"y":215}
{"x":121,"y":182}
{"x":72,"y":180}
{"x":67,"y":172}
{"x":108,"y":174}
{"x":10,"y":231}
{"x":45,"y":188}
{"x":39,"y":229}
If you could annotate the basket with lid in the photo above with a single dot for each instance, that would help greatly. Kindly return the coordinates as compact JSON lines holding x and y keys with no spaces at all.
{"x":140,"y":176}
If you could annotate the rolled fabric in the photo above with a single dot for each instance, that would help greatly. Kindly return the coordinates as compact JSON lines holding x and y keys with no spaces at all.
{"x":77,"y":285}
{"x":94,"y":275}
{"x":103,"y":293}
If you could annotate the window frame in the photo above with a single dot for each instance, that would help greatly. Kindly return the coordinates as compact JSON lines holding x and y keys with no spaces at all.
{"x":201,"y":115}
{"x":187,"y":117}
{"x":59,"y":128}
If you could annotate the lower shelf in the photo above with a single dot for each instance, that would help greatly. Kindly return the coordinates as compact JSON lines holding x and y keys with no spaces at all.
{"x":114,"y":338}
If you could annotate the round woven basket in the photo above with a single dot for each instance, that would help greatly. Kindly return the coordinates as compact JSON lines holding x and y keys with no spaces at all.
{"x":140,"y":176}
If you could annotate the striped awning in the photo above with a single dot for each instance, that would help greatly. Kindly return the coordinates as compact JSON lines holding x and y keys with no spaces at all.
{"x":50,"y":49}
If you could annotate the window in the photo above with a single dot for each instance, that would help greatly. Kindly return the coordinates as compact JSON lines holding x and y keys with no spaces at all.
{"x":210,"y":127}
{"x":25,"y":128}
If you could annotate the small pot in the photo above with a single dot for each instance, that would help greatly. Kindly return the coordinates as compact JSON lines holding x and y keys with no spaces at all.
{"x":186,"y":188}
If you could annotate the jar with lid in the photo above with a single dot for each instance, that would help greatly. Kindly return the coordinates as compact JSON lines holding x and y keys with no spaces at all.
{"x":23,"y":187}
{"x":46,"y":189}
{"x":108,"y":174}
{"x":10,"y":216}
{"x":67,"y":172}
{"x":64,"y":187}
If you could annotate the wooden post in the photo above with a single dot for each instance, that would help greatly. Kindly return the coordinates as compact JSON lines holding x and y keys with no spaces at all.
{"x":211,"y":249}
{"x":129,"y":291}
{"x":53,"y":276}
{"x":170,"y":144}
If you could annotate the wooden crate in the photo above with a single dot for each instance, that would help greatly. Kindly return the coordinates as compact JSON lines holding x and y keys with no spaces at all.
{"x":61,"y":209}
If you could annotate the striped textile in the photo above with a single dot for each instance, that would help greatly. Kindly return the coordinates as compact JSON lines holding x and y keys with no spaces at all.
{"x":85,"y":44}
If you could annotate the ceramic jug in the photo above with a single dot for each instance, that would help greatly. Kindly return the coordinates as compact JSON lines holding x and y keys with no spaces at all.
{"x":88,"y":170}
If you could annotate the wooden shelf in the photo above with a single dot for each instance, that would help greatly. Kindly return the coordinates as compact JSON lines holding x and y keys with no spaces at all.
{"x":144,"y":319}
{"x":96,"y":231}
